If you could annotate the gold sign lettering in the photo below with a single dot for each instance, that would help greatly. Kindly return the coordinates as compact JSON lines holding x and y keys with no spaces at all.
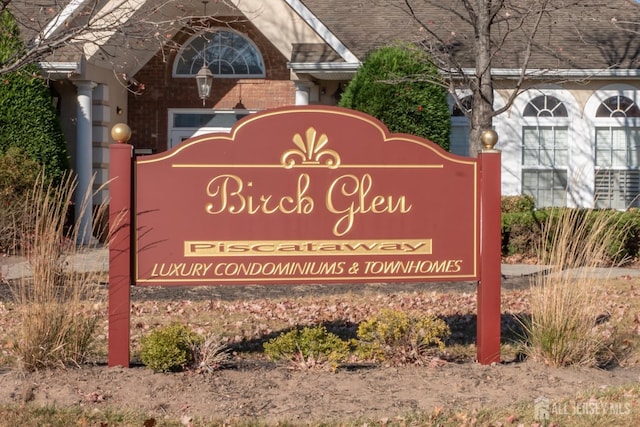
{"x":280,"y":269}
{"x":412,"y":267}
{"x":231,"y":195}
{"x":347,"y":197}
{"x":182,"y":269}
{"x":205,"y":248}
{"x":350,"y":195}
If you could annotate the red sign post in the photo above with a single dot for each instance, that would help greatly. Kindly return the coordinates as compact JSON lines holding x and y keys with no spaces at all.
{"x":311,"y":195}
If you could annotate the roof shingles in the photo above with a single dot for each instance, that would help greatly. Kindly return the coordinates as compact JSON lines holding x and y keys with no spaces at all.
{"x":580,"y":36}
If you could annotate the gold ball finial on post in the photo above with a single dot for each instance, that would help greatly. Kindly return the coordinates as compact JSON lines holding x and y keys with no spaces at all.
{"x":121,"y":133}
{"x":489,"y":139}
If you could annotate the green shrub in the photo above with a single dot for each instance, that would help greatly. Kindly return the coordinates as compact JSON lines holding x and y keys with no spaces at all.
{"x":169,"y":348}
{"x":511,"y":204}
{"x":28,"y":118}
{"x":18,"y":175}
{"x":399,"y":85}
{"x":622,"y":231}
{"x":398,"y":337}
{"x":522,"y":231}
{"x":630,"y":241}
{"x":308,"y":348}
{"x":624,"y":236}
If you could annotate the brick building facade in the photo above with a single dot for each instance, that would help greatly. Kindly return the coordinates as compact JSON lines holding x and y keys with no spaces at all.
{"x":585,"y":151}
{"x":163,"y":91}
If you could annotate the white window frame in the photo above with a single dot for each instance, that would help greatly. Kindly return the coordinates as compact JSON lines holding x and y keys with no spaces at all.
{"x":626,"y":176}
{"x":553,"y":123}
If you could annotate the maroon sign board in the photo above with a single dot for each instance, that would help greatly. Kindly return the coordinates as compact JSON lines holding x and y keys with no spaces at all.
{"x":298,"y":195}
{"x":314,"y":195}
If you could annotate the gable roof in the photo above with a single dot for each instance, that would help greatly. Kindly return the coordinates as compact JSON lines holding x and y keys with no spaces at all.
{"x":584,"y":36}
{"x":127,"y":35}
{"x":581,"y":36}
{"x":36,"y":16}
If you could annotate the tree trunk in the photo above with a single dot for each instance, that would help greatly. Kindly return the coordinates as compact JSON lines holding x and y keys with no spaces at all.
{"x":482,"y":107}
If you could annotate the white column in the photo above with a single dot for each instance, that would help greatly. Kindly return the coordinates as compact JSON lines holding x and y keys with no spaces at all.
{"x":84,"y":162}
{"x":302,"y":92}
{"x":101,"y":119}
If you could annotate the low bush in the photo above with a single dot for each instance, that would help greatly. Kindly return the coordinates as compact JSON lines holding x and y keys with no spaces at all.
{"x":522,"y":231}
{"x":308,"y":348}
{"x":398,"y":337}
{"x":170,"y":348}
{"x":625,"y":244}
{"x":18,"y":175}
{"x":512,"y":204}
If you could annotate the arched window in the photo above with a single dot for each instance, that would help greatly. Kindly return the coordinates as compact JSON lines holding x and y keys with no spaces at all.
{"x":545,"y":106}
{"x":617,"y":149}
{"x":226,"y":53}
{"x":618,"y":106}
{"x":545,"y":148}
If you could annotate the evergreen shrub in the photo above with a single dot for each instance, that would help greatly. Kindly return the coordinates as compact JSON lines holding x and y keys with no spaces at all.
{"x":170,"y":348}
{"x":399,"y":337}
{"x":28,"y":119}
{"x":522,"y":231}
{"x":308,"y":348}
{"x":523,"y":203}
{"x":18,"y":175}
{"x":401,"y":87}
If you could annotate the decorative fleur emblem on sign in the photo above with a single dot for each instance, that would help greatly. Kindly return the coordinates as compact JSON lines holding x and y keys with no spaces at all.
{"x":310,"y":152}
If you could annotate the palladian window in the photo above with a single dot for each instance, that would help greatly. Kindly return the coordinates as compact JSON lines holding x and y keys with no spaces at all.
{"x":545,"y":147}
{"x":226,"y":53}
{"x":617,"y":150}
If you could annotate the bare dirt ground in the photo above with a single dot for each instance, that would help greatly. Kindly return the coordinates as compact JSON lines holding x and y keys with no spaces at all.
{"x":277,"y":393}
{"x":256,"y":388}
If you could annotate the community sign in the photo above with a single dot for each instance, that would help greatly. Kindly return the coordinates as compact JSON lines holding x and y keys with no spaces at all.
{"x":305,"y":195}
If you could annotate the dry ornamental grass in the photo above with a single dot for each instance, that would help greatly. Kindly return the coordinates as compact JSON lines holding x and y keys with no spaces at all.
{"x":55,"y":306}
{"x":566,"y":309}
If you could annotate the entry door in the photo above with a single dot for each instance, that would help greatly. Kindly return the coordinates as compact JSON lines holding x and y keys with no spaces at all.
{"x":186,"y":123}
{"x":179,"y":135}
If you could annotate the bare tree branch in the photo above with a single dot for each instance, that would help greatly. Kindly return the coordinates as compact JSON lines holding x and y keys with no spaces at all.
{"x":85,"y":27}
{"x":468,"y":39}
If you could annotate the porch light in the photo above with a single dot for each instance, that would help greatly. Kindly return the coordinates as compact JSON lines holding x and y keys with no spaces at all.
{"x":204,"y":80}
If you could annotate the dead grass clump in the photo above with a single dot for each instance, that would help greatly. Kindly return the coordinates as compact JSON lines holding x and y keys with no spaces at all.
{"x":565,"y":327}
{"x":56,"y":307}
{"x":211,"y":355}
